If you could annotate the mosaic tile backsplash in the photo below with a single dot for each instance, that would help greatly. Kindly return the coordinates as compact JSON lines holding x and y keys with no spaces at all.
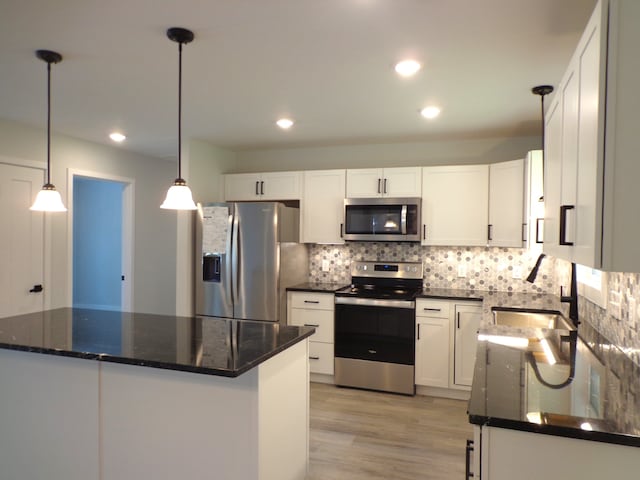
{"x":494,"y":269}
{"x":484,"y":268}
{"x":619,"y":320}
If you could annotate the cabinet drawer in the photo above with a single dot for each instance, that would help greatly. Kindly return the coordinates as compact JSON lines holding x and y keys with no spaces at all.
{"x":322,"y":320}
{"x":319,"y":301}
{"x":321,"y":358}
{"x":432,"y":308}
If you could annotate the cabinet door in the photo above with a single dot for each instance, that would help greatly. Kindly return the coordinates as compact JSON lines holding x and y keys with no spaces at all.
{"x":364,"y":182}
{"x":466,"y":322}
{"x":506,"y":197}
{"x":432,"y":352}
{"x":322,"y":206}
{"x":569,"y":170}
{"x":455,"y":205}
{"x":552,"y":176}
{"x":402,"y":182}
{"x":281,"y":186}
{"x":589,"y":170}
{"x":534,"y":201}
{"x":242,"y":186}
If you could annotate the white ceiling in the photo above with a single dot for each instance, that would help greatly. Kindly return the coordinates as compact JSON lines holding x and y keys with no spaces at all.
{"x":326,"y":63}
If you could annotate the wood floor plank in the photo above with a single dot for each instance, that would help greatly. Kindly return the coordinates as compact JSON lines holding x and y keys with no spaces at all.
{"x":358,"y":435}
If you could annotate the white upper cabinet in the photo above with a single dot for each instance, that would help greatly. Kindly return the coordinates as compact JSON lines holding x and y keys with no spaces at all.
{"x":592,"y":172}
{"x":322,"y":206}
{"x":506,"y":199}
{"x":455,"y":206}
{"x":384,"y":182}
{"x":263,"y":186}
{"x":533,"y":201}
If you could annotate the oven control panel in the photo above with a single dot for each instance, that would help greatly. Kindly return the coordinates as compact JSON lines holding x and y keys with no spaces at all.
{"x":409,"y":270}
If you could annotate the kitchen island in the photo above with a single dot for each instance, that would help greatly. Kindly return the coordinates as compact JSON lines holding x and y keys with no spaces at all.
{"x":90,"y":394}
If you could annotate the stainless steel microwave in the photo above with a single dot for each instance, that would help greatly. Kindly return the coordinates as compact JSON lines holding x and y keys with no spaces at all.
{"x":382,"y":219}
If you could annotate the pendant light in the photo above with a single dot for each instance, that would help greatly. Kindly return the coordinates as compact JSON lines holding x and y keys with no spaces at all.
{"x":542,"y":90}
{"x":179,"y":195}
{"x":48,"y":199}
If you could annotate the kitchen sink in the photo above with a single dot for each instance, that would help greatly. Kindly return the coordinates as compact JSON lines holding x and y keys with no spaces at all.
{"x":530,"y":318}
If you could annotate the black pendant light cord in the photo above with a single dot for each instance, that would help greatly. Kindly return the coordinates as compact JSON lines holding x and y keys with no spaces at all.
{"x":542,"y":90}
{"x":180,"y":36}
{"x":180,"y":112}
{"x":48,"y":123}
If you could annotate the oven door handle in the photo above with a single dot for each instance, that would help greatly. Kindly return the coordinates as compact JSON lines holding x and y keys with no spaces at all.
{"x":375,"y":302}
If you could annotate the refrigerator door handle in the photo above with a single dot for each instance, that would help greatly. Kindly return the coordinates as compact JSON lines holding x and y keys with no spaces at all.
{"x":235,"y":259}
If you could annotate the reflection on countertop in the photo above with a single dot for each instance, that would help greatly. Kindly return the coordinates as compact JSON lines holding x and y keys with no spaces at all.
{"x":592,"y":396}
{"x":207,"y":345}
{"x":317,"y":287}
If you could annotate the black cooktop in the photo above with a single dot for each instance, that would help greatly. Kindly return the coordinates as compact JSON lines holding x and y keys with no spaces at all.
{"x":376,"y":291}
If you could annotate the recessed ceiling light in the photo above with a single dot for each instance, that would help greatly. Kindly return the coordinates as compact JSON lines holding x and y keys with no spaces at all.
{"x":430,"y":112}
{"x":407,"y":68}
{"x":117,"y":137}
{"x":285,"y":123}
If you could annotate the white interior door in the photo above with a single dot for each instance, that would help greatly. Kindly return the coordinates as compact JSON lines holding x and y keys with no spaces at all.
{"x":21,"y":241}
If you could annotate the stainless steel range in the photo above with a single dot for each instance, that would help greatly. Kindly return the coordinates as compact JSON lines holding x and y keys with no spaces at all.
{"x":375,"y":327}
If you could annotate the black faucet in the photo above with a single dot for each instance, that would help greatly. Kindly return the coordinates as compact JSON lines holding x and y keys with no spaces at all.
{"x":534,"y":271}
{"x":572,"y":298}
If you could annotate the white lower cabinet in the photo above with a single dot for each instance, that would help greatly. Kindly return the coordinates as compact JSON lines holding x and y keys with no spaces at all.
{"x":315,"y":309}
{"x":432,"y":343}
{"x":465,"y":332}
{"x":505,"y":454}
{"x":446,"y":332}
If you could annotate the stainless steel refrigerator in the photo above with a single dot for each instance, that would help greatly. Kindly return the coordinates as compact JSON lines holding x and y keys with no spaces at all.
{"x":247,"y":254}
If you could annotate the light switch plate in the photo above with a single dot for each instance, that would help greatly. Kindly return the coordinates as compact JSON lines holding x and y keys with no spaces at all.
{"x":517,"y":272}
{"x":462,"y":270}
{"x":325,"y":265}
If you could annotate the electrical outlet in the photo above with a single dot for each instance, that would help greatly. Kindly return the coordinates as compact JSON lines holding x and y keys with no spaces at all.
{"x":462,"y":270}
{"x":517,"y":272}
{"x":325,"y":265}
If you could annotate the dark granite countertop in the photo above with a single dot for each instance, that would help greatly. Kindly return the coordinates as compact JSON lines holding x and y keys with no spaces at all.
{"x":517,"y":388}
{"x":206,"y":345}
{"x":317,"y":287}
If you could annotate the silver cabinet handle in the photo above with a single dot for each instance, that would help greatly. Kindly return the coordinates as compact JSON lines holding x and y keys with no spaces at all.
{"x":262,"y":188}
{"x":432,"y":309}
{"x":312,"y":301}
{"x":384,"y":190}
{"x":257,"y":190}
{"x":314,"y":358}
{"x":379,"y":181}
{"x":312,"y":325}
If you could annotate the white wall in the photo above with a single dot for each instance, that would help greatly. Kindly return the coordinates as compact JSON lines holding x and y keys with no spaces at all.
{"x":207,"y":163}
{"x":441,"y":152}
{"x":155,"y":229}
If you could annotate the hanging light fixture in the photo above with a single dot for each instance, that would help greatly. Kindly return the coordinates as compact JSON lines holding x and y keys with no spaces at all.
{"x":542,"y":90}
{"x":48,"y":199}
{"x":179,"y":195}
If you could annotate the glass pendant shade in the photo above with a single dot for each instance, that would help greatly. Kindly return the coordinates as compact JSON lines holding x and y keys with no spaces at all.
{"x":48,"y":200}
{"x":179,"y":197}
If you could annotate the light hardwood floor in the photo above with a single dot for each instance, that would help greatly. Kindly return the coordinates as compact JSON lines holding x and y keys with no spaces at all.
{"x":358,"y":435}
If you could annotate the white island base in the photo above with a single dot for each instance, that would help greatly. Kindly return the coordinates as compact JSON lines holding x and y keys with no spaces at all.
{"x":65,"y":418}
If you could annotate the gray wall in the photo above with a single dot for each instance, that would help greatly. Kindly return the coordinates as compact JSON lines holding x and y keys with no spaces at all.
{"x":440,"y":152}
{"x":155,"y":229}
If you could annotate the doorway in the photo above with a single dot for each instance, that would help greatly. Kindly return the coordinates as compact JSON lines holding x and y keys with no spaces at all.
{"x":101,"y":232}
{"x":22,"y":279}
